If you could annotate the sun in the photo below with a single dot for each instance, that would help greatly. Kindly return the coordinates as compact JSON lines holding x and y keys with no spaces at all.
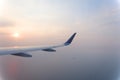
{"x":16,"y":35}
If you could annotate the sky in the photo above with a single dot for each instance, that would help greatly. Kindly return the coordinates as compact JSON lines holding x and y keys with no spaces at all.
{"x":93,"y":55}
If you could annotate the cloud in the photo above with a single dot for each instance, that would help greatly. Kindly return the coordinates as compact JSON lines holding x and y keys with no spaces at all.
{"x":5,"y":23}
{"x":4,"y":33}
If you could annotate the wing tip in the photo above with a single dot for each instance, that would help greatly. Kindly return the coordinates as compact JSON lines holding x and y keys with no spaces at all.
{"x":69,"y":41}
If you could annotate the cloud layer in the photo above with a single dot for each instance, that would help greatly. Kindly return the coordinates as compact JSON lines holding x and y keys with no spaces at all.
{"x":4,"y":23}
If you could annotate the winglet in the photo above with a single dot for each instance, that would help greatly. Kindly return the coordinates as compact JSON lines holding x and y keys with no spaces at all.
{"x":70,"y":40}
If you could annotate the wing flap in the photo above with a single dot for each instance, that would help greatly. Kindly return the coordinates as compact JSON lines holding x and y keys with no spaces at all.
{"x":22,"y":55}
{"x":49,"y":50}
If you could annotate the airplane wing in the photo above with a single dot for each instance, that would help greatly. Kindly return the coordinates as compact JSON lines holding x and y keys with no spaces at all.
{"x":23,"y":51}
